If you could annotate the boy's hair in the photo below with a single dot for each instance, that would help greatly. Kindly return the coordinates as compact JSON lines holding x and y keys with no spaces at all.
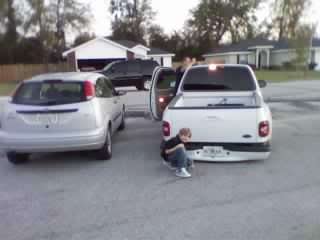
{"x":185,"y":132}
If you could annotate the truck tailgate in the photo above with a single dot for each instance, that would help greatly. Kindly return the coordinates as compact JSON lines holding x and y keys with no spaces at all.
{"x":226,"y":125}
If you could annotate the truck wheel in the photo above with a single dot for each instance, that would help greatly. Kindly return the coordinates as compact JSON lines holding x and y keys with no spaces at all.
{"x":17,"y":158}
{"x":105,"y":153}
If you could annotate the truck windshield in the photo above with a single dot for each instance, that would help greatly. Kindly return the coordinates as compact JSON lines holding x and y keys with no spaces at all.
{"x":222,"y":78}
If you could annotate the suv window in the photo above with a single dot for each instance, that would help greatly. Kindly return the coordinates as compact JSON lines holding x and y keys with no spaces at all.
{"x":222,"y":78}
{"x":166,"y":79}
{"x":120,"y":67}
{"x":104,"y":88}
{"x":149,"y":65}
{"x":49,"y":93}
{"x":133,"y":66}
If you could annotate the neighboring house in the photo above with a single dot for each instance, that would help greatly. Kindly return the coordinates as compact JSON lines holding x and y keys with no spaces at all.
{"x":261,"y":53}
{"x":99,"y":52}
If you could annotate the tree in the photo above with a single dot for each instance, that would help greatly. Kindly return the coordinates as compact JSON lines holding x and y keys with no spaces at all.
{"x":69,"y":15}
{"x":302,"y":42}
{"x":157,"y":37}
{"x":288,"y":14}
{"x":131,"y":19}
{"x":9,"y":23}
{"x":50,"y":21}
{"x":82,"y":38}
{"x":212,"y":19}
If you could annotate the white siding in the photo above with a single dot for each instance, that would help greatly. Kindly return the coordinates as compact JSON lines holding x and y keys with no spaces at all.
{"x":167,"y":61}
{"x":252,"y":59}
{"x":317,"y":56}
{"x":140,"y":52}
{"x":278,"y":58}
{"x":218,"y":59}
{"x":100,"y":50}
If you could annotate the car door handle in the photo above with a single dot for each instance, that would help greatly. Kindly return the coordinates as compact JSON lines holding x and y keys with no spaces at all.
{"x":115,"y":101}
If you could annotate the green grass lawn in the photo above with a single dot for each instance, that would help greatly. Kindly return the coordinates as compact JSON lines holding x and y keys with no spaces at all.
{"x":7,"y":88}
{"x":282,"y":76}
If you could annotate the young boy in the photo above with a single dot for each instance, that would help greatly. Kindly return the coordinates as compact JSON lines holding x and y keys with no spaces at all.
{"x":175,"y":153}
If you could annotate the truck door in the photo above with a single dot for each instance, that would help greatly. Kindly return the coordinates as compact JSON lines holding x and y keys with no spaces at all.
{"x":162,"y":90}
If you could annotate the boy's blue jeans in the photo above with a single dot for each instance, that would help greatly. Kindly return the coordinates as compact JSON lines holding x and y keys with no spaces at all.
{"x":179,"y":158}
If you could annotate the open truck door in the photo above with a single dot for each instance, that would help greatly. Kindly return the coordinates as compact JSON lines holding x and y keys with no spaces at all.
{"x":162,"y":91}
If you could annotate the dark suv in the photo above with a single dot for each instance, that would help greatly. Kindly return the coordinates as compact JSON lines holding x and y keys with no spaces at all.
{"x":130,"y":72}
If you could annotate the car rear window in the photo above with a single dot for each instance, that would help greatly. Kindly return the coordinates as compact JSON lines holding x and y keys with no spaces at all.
{"x":219,"y":78}
{"x":49,"y":93}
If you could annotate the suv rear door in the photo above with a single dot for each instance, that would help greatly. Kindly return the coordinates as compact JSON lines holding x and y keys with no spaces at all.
{"x":162,"y":90}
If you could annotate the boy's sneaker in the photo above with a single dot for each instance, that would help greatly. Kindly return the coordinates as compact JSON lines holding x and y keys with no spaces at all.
{"x":168,"y":165}
{"x":183,"y":173}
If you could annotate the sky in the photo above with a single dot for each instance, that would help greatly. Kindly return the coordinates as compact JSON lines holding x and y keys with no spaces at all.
{"x":171,"y":14}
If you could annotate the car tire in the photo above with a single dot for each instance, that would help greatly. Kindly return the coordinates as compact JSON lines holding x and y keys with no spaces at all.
{"x":17,"y":158}
{"x":123,"y":121}
{"x":105,"y":153}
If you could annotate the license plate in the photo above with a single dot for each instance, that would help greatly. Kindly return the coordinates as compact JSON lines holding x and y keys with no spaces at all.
{"x":47,"y":119}
{"x":213,"y":151}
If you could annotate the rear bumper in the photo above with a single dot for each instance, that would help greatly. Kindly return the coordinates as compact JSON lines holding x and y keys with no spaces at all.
{"x":233,"y":152}
{"x":32,"y":144}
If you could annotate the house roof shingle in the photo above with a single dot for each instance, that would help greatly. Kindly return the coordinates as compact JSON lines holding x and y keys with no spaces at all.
{"x":157,"y":51}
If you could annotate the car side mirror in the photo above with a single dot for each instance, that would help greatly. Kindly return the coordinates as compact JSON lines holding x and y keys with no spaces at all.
{"x":262,"y":83}
{"x":121,"y":93}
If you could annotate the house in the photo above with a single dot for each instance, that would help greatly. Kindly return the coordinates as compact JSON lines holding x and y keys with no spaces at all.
{"x":99,"y":52}
{"x":261,"y":53}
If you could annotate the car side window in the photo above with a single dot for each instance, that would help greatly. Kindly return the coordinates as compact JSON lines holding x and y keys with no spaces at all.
{"x":103,"y":90}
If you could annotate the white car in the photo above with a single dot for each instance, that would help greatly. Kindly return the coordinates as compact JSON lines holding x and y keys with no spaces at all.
{"x":221,"y":104}
{"x":61,"y":112}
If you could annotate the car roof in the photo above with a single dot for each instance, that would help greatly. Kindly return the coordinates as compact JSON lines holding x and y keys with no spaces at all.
{"x":66,"y":76}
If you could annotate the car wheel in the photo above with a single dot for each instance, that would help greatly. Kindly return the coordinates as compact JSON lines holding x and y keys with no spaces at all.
{"x":17,"y":158}
{"x":105,"y":153}
{"x":123,"y":121}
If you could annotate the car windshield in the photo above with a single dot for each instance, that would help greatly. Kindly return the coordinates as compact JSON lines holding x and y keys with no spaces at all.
{"x":49,"y":93}
{"x":220,"y":78}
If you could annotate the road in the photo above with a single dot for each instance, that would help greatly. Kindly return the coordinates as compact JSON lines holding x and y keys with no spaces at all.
{"x":72,"y":196}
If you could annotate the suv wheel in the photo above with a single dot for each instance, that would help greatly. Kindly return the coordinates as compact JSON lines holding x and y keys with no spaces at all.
{"x":17,"y":158}
{"x":105,"y":153}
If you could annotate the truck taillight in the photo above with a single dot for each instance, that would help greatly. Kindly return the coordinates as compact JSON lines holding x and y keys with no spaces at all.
{"x":166,"y":129}
{"x":89,"y":90}
{"x":264,"y":129}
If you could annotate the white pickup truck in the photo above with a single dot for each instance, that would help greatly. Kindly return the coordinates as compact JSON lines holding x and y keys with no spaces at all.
{"x":221,"y":104}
